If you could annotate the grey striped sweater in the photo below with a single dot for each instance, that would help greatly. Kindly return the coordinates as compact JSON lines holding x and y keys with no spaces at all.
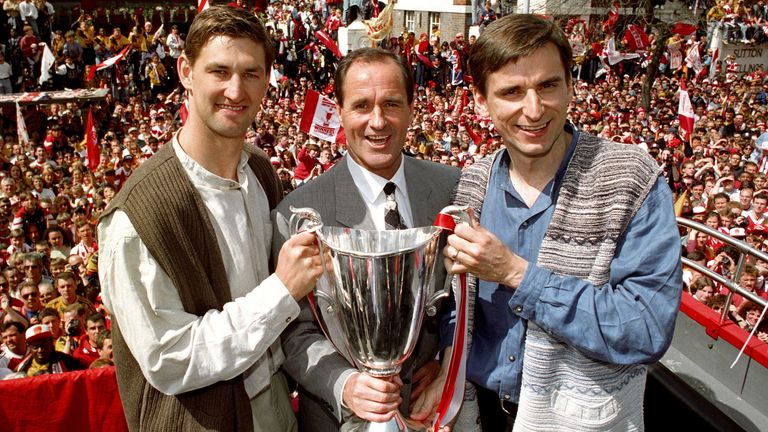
{"x":604,"y":185}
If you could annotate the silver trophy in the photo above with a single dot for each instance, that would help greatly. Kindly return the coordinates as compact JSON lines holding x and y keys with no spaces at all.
{"x":372,"y":296}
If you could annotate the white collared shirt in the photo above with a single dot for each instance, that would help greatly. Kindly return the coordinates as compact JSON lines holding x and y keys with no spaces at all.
{"x":178,"y":351}
{"x":371,"y":187}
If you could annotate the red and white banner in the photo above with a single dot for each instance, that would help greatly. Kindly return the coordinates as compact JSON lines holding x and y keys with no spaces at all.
{"x":685,"y":112}
{"x":693,"y":59}
{"x":320,"y":118}
{"x":108,"y":62}
{"x":93,"y":152}
{"x":202,"y":5}
{"x":328,"y":42}
{"x":636,"y":39}
{"x":21,"y":127}
{"x":612,"y":19}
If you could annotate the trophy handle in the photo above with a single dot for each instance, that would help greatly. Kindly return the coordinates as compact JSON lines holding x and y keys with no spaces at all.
{"x":446,"y":220}
{"x":301,"y":216}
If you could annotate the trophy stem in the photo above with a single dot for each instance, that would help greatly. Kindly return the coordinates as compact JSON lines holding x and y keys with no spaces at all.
{"x":395,"y":424}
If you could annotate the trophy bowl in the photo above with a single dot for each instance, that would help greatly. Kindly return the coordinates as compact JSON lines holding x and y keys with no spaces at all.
{"x":371,"y":299}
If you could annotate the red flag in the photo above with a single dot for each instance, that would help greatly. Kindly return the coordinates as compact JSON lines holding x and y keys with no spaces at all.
{"x":202,"y":5}
{"x":108,"y":62}
{"x":613,"y":17}
{"x":424,"y":59}
{"x":636,"y":39}
{"x":684,"y":29}
{"x":685,"y":112}
{"x":92,"y":148}
{"x":328,"y":42}
{"x":320,"y":118}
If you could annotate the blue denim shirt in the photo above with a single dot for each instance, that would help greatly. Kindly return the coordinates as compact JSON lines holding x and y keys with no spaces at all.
{"x":630,"y":320}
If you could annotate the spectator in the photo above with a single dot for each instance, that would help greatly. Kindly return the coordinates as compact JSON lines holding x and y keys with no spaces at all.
{"x":45,"y":359}
{"x":87,"y":351}
{"x":66,"y":285}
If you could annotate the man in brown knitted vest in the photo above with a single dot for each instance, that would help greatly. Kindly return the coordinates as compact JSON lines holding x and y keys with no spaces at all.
{"x":185,"y":250}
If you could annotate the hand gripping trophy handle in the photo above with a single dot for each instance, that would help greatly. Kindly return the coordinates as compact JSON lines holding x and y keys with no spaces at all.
{"x":446,"y":220}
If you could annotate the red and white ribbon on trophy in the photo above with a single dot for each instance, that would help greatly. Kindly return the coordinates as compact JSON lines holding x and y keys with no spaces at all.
{"x":453,"y":388}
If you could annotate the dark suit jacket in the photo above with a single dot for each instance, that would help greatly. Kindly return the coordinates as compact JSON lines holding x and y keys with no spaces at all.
{"x":310,"y":358}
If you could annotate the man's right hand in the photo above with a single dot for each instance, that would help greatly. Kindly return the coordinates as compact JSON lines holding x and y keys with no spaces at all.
{"x":298,"y":264}
{"x":370,"y":398}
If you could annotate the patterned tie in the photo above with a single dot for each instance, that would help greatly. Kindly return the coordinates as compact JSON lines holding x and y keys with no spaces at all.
{"x":392,"y":218}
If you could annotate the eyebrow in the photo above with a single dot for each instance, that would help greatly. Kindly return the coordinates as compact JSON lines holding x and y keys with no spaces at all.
{"x":550,"y":80}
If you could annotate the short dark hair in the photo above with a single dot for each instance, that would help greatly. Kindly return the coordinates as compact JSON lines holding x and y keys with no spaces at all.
{"x":511,"y":38}
{"x":6,"y":325}
{"x":236,"y":23}
{"x":96,"y":317}
{"x":370,"y":55}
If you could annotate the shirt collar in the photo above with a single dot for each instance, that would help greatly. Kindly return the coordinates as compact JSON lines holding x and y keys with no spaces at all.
{"x":371,"y":185}
{"x":201,"y":176}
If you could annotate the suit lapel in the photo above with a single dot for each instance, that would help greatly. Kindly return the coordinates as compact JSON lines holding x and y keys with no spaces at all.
{"x":419,"y":191}
{"x":351,"y":211}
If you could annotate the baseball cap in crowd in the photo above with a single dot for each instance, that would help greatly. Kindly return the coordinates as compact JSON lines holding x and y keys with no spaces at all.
{"x":737,"y":232}
{"x":275,"y":160}
{"x":128,"y":157}
{"x":699,"y":210}
{"x":132,"y":129}
{"x":38,"y":332}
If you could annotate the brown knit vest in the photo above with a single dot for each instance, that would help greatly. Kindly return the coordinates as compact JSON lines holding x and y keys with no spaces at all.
{"x":170,"y":217}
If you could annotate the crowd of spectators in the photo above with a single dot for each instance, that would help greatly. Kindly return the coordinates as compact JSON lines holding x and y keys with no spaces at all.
{"x":50,"y":200}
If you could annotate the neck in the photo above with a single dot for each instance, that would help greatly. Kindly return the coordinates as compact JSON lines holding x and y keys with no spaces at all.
{"x":537,"y":171}
{"x":217,"y":155}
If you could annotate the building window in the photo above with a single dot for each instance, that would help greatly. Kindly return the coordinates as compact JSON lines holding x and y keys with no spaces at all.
{"x":410,"y":20}
{"x":434,"y":21}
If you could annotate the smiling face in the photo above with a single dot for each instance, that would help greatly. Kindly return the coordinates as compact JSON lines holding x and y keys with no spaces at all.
{"x":226,"y":84}
{"x":375,"y":115}
{"x":528,"y":101}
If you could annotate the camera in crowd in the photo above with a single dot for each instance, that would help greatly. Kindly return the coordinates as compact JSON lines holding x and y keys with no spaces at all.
{"x":73,"y":328}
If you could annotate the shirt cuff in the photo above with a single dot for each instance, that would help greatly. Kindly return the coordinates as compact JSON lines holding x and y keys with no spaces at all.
{"x":526,"y":296}
{"x":272,"y":295}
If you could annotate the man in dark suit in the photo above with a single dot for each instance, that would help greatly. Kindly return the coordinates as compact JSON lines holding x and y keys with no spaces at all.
{"x":374,"y":91}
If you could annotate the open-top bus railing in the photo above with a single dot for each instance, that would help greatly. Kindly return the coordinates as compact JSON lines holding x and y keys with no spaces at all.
{"x":744,"y":250}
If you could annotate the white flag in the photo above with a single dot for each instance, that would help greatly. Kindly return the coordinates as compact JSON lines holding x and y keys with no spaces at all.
{"x":45,"y":64}
{"x":21,"y":126}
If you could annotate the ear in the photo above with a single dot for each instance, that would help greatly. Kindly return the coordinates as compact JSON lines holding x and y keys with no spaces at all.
{"x":185,"y":71}
{"x":481,"y":103}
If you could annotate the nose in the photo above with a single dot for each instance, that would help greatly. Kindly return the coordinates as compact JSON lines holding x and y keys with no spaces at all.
{"x":376,"y":120}
{"x":235,"y":88}
{"x":532,"y":107}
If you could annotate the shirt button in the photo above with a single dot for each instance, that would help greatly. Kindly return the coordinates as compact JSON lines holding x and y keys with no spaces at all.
{"x":288,"y":319}
{"x":511,"y":358}
{"x":506,"y":397}
{"x":525,"y":224}
{"x":518,"y":309}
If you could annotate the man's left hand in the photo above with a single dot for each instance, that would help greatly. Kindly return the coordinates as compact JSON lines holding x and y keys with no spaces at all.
{"x":472,"y":248}
{"x":424,"y":377}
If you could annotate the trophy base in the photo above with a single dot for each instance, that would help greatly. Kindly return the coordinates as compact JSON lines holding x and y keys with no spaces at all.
{"x":396,"y":424}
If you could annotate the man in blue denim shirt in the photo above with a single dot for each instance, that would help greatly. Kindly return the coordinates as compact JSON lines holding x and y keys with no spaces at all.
{"x":520,"y":67}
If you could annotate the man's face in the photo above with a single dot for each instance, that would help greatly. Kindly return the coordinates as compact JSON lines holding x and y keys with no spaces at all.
{"x":85,"y":232}
{"x":93,"y":329}
{"x":759,"y":204}
{"x":745,"y":198}
{"x":66,"y":289}
{"x":747,"y":281}
{"x":227,"y":82}
{"x":47,"y":292}
{"x":33,"y":270}
{"x":375,"y":115}
{"x":42,"y":349}
{"x":105,"y":352}
{"x":528,"y":102}
{"x":14,"y":340}
{"x":31,"y":298}
{"x":54,"y":323}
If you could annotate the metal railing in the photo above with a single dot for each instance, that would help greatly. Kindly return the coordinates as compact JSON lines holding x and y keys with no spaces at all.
{"x":744,"y":250}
